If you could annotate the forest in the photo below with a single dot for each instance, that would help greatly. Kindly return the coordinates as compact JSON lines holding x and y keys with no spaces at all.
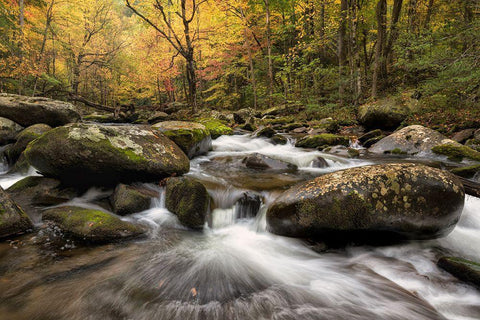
{"x":240,"y":159}
{"x":329,"y":56}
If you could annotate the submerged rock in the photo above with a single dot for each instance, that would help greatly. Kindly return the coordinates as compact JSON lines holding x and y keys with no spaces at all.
{"x":13,"y":220}
{"x":402,"y":200}
{"x":463,"y":269}
{"x":24,"y":138}
{"x":189,"y":200}
{"x":193,"y":138}
{"x":8,"y":130}
{"x":259,"y":161}
{"x":382,"y":114}
{"x":320,"y":162}
{"x":412,"y":140}
{"x":31,"y":110}
{"x":322,"y":141}
{"x":105,"y":155}
{"x":131,"y":199}
{"x":91,"y":225}
{"x":248,"y":205}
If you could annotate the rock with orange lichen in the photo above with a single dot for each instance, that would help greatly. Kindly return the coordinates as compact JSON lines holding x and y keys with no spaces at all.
{"x":401,"y":200}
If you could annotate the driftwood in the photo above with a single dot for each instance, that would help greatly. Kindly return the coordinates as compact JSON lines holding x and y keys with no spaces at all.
{"x":471,"y":187}
{"x":100,"y":106}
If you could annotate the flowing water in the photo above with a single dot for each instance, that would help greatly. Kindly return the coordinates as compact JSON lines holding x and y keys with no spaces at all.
{"x":235,"y":269}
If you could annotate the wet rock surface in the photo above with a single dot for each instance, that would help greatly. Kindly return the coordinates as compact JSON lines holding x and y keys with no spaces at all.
{"x":406,"y":200}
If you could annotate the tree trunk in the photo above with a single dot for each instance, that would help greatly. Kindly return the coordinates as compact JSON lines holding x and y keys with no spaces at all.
{"x":381,"y":12}
{"x":250,"y":61}
{"x":269,"y":51}
{"x":397,"y":8}
{"x":428,"y":16}
{"x":342,"y":50}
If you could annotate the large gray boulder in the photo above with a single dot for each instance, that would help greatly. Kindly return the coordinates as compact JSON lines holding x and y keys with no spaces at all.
{"x":8,"y":130}
{"x":13,"y":219}
{"x":193,"y":138}
{"x":31,"y":110}
{"x":105,"y":155}
{"x":411,"y":140}
{"x":403,"y":200}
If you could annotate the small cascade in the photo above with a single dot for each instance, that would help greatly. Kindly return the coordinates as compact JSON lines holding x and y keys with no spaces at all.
{"x":247,"y":206}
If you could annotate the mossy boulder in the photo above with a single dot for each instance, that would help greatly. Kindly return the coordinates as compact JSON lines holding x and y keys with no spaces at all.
{"x":101,"y":118}
{"x":131,"y":199}
{"x":383,"y":114}
{"x":91,"y":225}
{"x":189,"y":200}
{"x":456,"y":152}
{"x":216,"y":128}
{"x":27,"y":111}
{"x":462,"y":269}
{"x":158,"y":116}
{"x":395,"y":200}
{"x":105,"y":155}
{"x":248,"y":127}
{"x":279,"y":139}
{"x":266,"y":132}
{"x":322,"y":140}
{"x":8,"y":130}
{"x":411,"y":140}
{"x":13,"y":220}
{"x":327,"y":125}
{"x":466,"y":172}
{"x":24,"y":138}
{"x":193,"y":138}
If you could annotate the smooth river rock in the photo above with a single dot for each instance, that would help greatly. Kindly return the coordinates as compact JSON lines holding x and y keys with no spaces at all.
{"x":13,"y":220}
{"x":8,"y":130}
{"x":105,"y":155}
{"x":31,"y":110}
{"x":401,"y":200}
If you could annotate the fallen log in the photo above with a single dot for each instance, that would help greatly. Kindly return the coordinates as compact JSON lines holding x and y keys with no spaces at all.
{"x":471,"y":187}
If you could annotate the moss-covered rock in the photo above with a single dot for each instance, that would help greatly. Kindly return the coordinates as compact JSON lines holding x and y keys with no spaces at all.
{"x":402,"y":200}
{"x":372,"y":141}
{"x":13,"y":220}
{"x":327,"y":125}
{"x":131,"y":199}
{"x":411,"y":140}
{"x":106,"y":155}
{"x":383,"y":114}
{"x":474,"y":144}
{"x":248,"y":127}
{"x":216,"y":128}
{"x":279,"y":139}
{"x":157,"y":117}
{"x":189,"y":200}
{"x":27,"y":111}
{"x":466,"y":172}
{"x":24,"y":138}
{"x":193,"y":138}
{"x":266,"y":132}
{"x":91,"y":225}
{"x":456,"y":152}
{"x":463,"y":269}
{"x":322,"y":140}
{"x":101,"y":118}
{"x":8,"y":130}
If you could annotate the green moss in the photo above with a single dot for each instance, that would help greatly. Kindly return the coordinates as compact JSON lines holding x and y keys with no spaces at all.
{"x":456,"y":152}
{"x":397,"y":151}
{"x":91,"y":224}
{"x":321,"y":140}
{"x":25,"y":183}
{"x":466,"y":172}
{"x":216,"y":127}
